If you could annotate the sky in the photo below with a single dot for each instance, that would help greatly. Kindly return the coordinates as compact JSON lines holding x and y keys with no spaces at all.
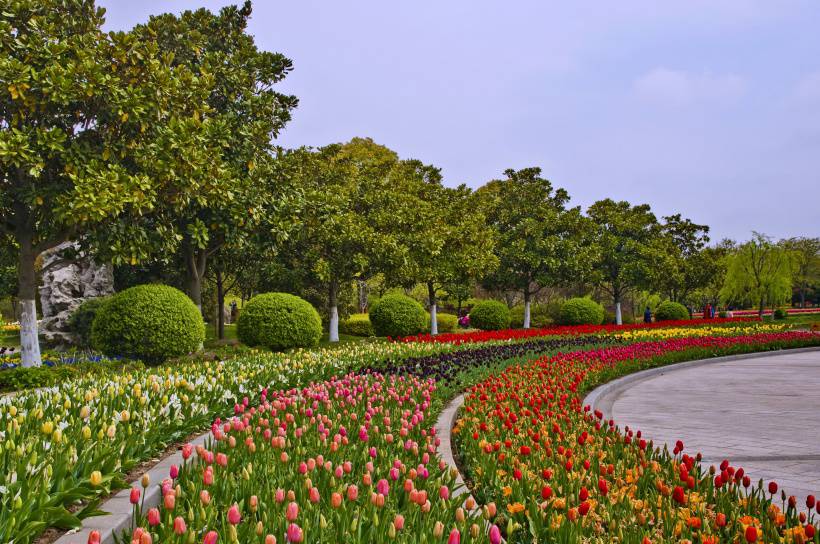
{"x":709,"y":108}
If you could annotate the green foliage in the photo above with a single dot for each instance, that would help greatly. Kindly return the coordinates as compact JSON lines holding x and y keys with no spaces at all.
{"x":150,"y":323}
{"x":671,"y":311}
{"x":82,"y":319}
{"x":780,"y":313}
{"x":761,"y":272}
{"x":446,"y":322}
{"x":541,"y":315}
{"x":17,"y":379}
{"x":279,"y":321}
{"x":356,"y":325}
{"x":397,"y":315}
{"x":490,"y":315}
{"x":581,"y":311}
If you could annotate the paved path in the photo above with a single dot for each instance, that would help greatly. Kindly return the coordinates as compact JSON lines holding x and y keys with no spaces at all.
{"x":761,"y":413}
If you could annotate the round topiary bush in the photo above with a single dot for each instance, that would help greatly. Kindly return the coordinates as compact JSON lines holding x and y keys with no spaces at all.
{"x":582,"y":311}
{"x":490,"y":315}
{"x":148,"y":322}
{"x":279,"y":321}
{"x":780,"y":313}
{"x":82,"y":318}
{"x":397,"y":315}
{"x":671,"y":311}
{"x":356,"y":325}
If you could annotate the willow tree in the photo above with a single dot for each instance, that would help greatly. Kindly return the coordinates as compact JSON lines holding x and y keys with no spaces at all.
{"x":539,"y":239}
{"x":760,"y":271}
{"x":89,"y":130}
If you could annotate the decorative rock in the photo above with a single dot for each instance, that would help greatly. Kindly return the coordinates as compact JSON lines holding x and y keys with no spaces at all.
{"x":69,"y":278}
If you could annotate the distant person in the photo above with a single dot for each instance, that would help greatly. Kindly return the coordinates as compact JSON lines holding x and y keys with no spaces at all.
{"x":707,"y":311}
{"x":647,"y":315}
{"x":711,"y":312}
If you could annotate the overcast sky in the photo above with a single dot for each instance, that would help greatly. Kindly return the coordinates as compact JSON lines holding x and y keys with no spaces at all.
{"x":710,"y":108}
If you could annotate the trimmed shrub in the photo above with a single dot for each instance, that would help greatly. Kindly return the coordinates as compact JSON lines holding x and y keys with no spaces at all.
{"x":279,"y":321}
{"x":490,"y":315}
{"x":446,"y":322}
{"x":626,"y":319}
{"x":780,"y":313}
{"x":149,"y":323}
{"x":581,"y":311}
{"x":539,"y":316}
{"x":82,"y":318}
{"x":397,"y":315}
{"x":671,"y":311}
{"x":356,"y":325}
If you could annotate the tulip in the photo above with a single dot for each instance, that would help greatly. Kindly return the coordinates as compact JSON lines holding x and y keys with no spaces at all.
{"x":174,"y":472}
{"x":398,"y":522}
{"x":495,"y":535}
{"x":352,"y":493}
{"x":335,"y":500}
{"x":455,"y":537}
{"x":292,"y":511}
{"x":751,"y":534}
{"x":294,"y":533}
{"x":96,"y":478}
{"x":94,"y":537}
{"x":205,"y":497}
{"x":135,"y":495}
{"x":153,"y":517}
{"x":169,"y":501}
{"x":772,"y":489}
{"x":270,"y":539}
{"x":444,"y":492}
{"x":179,"y":525}
{"x":234,"y":517}
{"x":210,"y":538}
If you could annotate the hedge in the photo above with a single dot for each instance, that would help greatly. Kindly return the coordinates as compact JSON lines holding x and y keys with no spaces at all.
{"x":356,"y":325}
{"x":279,"y":321}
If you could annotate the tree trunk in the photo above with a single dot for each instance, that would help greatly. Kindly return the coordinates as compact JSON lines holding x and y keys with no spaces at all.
{"x":195,"y":263}
{"x":431,"y":293}
{"x":27,"y":292}
{"x":761,"y":307}
{"x":527,"y":308}
{"x":362,"y":284}
{"x":333,"y":330}
{"x":802,"y":296}
{"x":618,"y":318}
{"x":220,"y":306}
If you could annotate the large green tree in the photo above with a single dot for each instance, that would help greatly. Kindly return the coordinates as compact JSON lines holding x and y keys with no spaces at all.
{"x":348,"y":229}
{"x":759,"y":271}
{"x":89,"y":130}
{"x":806,"y":253}
{"x":626,"y":244}
{"x":681,"y":266}
{"x":447,"y":238}
{"x":539,"y":240}
{"x":246,"y":113}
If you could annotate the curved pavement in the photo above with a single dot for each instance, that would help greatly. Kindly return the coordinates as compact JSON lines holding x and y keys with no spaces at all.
{"x":761,"y":413}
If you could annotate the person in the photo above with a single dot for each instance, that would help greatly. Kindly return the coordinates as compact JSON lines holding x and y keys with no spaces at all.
{"x":647,"y":315}
{"x":707,"y":311}
{"x":711,"y":312}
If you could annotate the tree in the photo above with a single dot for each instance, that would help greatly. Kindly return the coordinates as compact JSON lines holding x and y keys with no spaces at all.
{"x":88,"y":131}
{"x":681,"y":266}
{"x":348,"y":229}
{"x":626,"y":245}
{"x":713,"y":265}
{"x":538,"y":239}
{"x":806,"y":252}
{"x":760,"y":271}
{"x":246,"y":113}
{"x":446,"y":237}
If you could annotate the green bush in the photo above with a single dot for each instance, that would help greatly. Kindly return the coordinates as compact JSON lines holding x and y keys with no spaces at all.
{"x":626,"y":319}
{"x":581,"y":311}
{"x":540,"y":316}
{"x":446,"y":322}
{"x":671,"y":311}
{"x":723,"y":314}
{"x":490,"y":315}
{"x":279,"y":321}
{"x":149,"y":323}
{"x":780,"y":313}
{"x":356,"y":325}
{"x":397,"y":315}
{"x":82,"y":319}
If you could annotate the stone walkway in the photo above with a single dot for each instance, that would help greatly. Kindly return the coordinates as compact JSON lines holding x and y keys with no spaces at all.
{"x":761,"y":413}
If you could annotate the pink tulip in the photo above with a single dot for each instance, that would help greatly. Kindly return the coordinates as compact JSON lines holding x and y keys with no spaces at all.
{"x":210,"y":538}
{"x":294,"y":533}
{"x":174,"y":472}
{"x":169,"y":501}
{"x":153,"y":517}
{"x":292,"y":511}
{"x":187,"y":450}
{"x":279,"y":496}
{"x":383,"y":487}
{"x":205,"y":497}
{"x":313,"y":495}
{"x":352,"y":493}
{"x":135,"y":495}
{"x":335,"y":500}
{"x":179,"y":525}
{"x":234,"y":517}
{"x":495,"y":535}
{"x":444,"y":492}
{"x":398,"y":523}
{"x":455,"y":537}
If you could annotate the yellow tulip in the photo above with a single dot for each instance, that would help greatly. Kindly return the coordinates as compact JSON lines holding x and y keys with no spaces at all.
{"x":96,"y":478}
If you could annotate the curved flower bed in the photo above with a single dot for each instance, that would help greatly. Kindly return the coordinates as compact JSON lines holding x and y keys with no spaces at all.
{"x":564,"y":474}
{"x":580,"y":330}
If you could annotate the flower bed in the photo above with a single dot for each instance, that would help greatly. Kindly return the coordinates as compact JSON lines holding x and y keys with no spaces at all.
{"x":521,"y":334}
{"x":557,"y":469}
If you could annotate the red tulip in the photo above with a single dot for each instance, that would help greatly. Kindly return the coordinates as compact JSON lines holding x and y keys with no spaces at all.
{"x":678,"y":495}
{"x":772,"y":487}
{"x":153,"y":517}
{"x":94,"y":537}
{"x":135,"y":495}
{"x":751,"y":534}
{"x":455,"y":537}
{"x":810,"y":500}
{"x":234,"y":517}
